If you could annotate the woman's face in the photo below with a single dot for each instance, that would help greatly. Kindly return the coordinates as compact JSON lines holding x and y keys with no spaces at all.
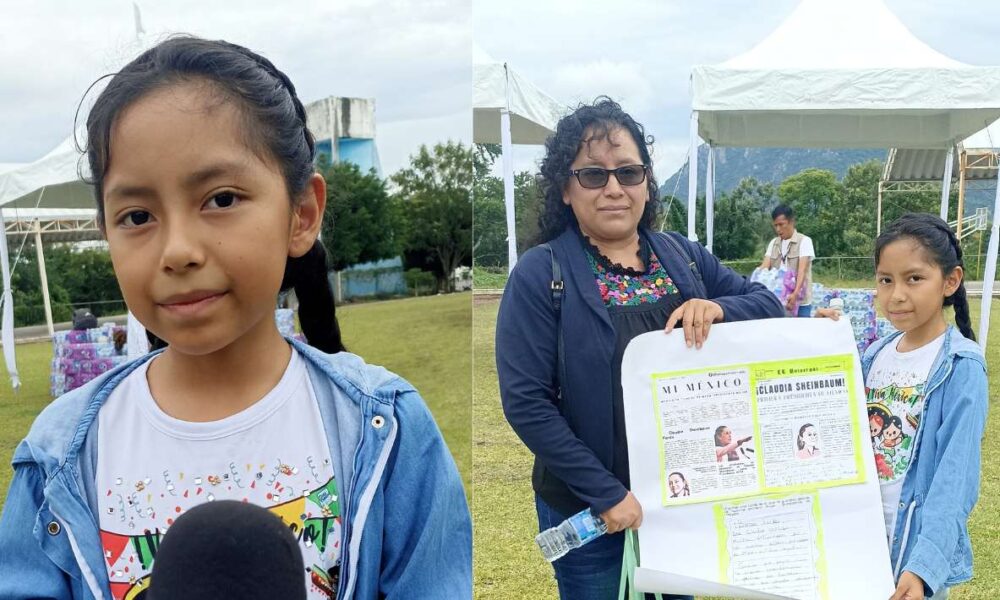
{"x":726,"y":436}
{"x":809,"y":437}
{"x":676,"y":484}
{"x":610,"y":213}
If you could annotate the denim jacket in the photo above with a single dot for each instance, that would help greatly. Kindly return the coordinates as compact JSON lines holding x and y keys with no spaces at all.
{"x":941,"y":485}
{"x":406,"y":528}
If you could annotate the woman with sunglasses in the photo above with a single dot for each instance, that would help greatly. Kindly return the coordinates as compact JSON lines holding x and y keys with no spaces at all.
{"x":571,"y":305}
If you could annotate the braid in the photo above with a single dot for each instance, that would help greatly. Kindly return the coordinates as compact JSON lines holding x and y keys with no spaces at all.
{"x":317,"y":310}
{"x":283,"y":81}
{"x":959,"y":300}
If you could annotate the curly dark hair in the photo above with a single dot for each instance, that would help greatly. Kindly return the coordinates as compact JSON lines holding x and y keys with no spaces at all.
{"x":587,"y":123}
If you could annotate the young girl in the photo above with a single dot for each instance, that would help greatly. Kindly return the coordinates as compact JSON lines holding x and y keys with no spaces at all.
{"x":203,"y":171}
{"x":932,"y":382}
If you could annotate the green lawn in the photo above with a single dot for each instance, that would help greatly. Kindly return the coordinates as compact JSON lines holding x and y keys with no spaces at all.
{"x":509,"y":566}
{"x":426,"y":340}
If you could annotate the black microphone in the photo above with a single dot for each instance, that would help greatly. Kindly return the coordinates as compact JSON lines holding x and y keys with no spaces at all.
{"x":228,"y":549}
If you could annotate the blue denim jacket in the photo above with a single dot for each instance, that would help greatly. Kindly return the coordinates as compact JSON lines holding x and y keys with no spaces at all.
{"x":406,"y":528}
{"x":941,"y":485}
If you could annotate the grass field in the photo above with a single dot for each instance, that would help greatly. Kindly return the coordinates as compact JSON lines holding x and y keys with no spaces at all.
{"x":509,"y":566}
{"x":426,"y":340}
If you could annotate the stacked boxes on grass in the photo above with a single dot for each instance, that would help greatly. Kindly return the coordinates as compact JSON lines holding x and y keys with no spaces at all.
{"x":81,"y":355}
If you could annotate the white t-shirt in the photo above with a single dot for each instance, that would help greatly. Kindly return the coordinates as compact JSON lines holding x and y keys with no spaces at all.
{"x":151,"y":468}
{"x":806,"y":249}
{"x":895,"y":390}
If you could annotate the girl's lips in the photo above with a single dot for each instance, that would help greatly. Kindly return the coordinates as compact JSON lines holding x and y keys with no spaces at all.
{"x":192,"y":307}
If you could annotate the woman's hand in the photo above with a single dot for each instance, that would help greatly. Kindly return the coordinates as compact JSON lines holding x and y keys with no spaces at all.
{"x":744,"y":440}
{"x":829,"y":313}
{"x":910,"y":587}
{"x":627,"y":514}
{"x":697,"y":316}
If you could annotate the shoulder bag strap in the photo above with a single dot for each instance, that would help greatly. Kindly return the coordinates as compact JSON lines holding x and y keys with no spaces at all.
{"x":556,"y":288}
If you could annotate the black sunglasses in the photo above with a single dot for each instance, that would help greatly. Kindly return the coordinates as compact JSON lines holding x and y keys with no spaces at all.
{"x":595,"y":177}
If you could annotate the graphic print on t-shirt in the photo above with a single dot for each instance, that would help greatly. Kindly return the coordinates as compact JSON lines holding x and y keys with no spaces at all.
{"x":152,"y":468}
{"x":893,"y":417}
{"x":147,"y":508}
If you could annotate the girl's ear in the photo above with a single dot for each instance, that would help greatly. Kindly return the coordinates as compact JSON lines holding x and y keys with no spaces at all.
{"x":307,"y":216}
{"x":952,"y":281}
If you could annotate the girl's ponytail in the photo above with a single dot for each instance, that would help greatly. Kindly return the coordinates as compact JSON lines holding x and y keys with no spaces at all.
{"x":317,"y":312}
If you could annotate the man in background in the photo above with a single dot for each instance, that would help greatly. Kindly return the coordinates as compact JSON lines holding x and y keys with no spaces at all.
{"x":795,"y":251}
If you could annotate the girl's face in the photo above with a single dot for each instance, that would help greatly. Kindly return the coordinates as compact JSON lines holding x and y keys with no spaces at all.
{"x":910,"y":289}
{"x":199,"y":226}
{"x":676,"y":484}
{"x":610,"y":213}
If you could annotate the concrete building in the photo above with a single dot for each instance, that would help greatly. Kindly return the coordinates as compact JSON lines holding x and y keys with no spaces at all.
{"x":345,"y":130}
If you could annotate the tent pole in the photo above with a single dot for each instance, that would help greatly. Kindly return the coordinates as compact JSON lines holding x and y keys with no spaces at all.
{"x":7,"y":328}
{"x":46,"y":300}
{"x":989,"y":276}
{"x":961,"y":192}
{"x":693,"y":177}
{"x":507,"y":150}
{"x":710,"y":198}
{"x":946,"y":182}
{"x":878,"y":226}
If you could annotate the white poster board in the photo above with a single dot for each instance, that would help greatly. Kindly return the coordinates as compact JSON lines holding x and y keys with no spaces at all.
{"x":791,"y":512}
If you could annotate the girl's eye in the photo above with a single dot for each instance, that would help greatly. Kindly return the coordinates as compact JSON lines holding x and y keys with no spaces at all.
{"x":223,"y":200}
{"x":884,"y":281}
{"x":136,"y":218}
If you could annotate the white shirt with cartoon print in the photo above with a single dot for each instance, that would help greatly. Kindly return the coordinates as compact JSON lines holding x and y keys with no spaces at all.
{"x":151,"y":468}
{"x":895,"y":390}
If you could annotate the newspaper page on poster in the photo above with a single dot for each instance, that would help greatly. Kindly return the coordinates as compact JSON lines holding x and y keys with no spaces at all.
{"x":752,"y":465}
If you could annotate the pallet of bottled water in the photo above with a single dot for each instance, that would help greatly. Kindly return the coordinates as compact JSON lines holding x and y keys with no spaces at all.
{"x":80,"y":355}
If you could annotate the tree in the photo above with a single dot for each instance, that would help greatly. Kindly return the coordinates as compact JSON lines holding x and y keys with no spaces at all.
{"x":434,"y":199}
{"x":818,"y":201}
{"x":859,"y":218}
{"x":359,"y":224}
{"x":740,"y":224}
{"x":489,"y":210}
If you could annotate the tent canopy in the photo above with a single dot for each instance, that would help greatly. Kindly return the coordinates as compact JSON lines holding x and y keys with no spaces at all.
{"x":843,"y":74}
{"x":57,"y":173}
{"x":533,"y":113}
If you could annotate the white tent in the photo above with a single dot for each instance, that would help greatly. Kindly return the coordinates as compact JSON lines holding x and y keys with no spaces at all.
{"x":839,"y":74}
{"x":508,"y":109}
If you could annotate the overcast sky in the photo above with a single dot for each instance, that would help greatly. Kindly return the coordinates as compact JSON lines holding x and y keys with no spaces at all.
{"x":411,"y":56}
{"x":641,"y":51}
{"x":414,"y":57}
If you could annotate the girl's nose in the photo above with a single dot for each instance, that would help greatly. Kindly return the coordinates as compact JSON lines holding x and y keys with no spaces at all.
{"x":182,"y":249}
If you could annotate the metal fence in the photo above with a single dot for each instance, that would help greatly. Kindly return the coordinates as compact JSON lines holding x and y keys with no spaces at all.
{"x":835,"y":269}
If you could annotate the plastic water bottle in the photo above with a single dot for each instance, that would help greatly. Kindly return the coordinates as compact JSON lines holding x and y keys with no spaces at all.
{"x":574,"y":532}
{"x":837,"y":304}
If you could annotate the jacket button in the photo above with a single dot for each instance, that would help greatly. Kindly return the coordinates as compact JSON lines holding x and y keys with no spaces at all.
{"x":54,"y":528}
{"x":378,"y":421}
{"x":902,"y":505}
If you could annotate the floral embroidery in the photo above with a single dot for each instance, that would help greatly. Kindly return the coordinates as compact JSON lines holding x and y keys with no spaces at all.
{"x":622,"y":286}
